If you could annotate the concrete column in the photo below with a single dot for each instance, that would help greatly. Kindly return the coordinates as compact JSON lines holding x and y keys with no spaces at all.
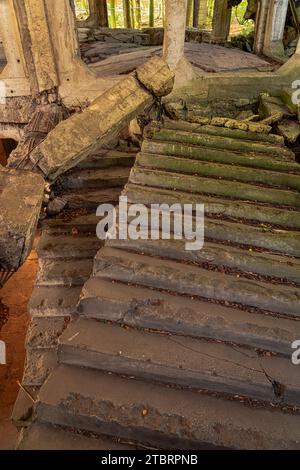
{"x":275,"y":28}
{"x":221,"y":21}
{"x":175,"y":21}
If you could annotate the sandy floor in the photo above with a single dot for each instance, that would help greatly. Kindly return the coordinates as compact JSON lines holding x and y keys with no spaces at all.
{"x":15,"y":296}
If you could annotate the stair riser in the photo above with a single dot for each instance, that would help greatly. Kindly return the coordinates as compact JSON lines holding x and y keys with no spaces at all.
{"x":163,"y":374}
{"x":214,"y":206}
{"x":216,"y":255}
{"x":219,"y":156}
{"x":222,"y":142}
{"x":211,"y":170}
{"x":205,"y":284}
{"x":147,"y":437}
{"x":198,"y":185}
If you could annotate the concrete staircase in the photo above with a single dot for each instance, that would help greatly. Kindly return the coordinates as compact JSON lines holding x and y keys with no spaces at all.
{"x":178,"y":349}
{"x":66,"y":250}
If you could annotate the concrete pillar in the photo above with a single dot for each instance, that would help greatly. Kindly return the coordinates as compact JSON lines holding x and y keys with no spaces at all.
{"x":221,"y":21}
{"x":175,"y":21}
{"x":273,"y":45}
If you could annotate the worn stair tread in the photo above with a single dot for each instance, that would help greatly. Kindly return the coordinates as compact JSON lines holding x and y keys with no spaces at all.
{"x":223,"y":142}
{"x":53,"y":245}
{"x":83,"y":223}
{"x":223,"y":131}
{"x":49,"y":301}
{"x":96,"y":178}
{"x":226,"y":157}
{"x":216,"y":187}
{"x":191,"y":280}
{"x":41,"y":436}
{"x":142,"y":307}
{"x":187,"y":362}
{"x":90,"y":199}
{"x":64,"y":272}
{"x":157,"y":415}
{"x":243,"y":260}
{"x":215,"y":206}
{"x":217,"y":170}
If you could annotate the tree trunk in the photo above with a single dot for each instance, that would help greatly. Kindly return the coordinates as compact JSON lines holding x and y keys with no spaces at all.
{"x":151,"y":13}
{"x":113,"y":21}
{"x":189,"y":12}
{"x":101,"y":13}
{"x":137,"y":10}
{"x":127,"y":14}
{"x":196,"y":13}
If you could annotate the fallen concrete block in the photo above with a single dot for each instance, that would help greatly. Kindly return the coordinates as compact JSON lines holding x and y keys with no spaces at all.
{"x":21,"y":196}
{"x":74,"y":139}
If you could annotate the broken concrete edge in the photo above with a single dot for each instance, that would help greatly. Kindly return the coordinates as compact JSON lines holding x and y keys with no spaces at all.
{"x":21,"y":197}
{"x":73,"y":139}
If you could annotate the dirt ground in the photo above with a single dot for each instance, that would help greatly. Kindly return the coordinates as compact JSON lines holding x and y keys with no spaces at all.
{"x":15,"y":296}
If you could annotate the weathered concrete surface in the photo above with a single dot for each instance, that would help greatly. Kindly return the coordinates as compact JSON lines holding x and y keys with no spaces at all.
{"x":72,"y":140}
{"x":21,"y":195}
{"x":161,"y":416}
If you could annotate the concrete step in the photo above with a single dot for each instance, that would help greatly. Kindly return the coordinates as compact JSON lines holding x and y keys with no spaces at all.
{"x":215,"y":255}
{"x":46,"y":437}
{"x":190,"y":280}
{"x":160,"y":416}
{"x":222,"y":142}
{"x":64,"y":272}
{"x":219,"y":155}
{"x":43,"y":332}
{"x":91,"y":199}
{"x":145,"y":308}
{"x":185,"y":362}
{"x":216,"y":206}
{"x":96,"y":178}
{"x":108,"y":159}
{"x":53,"y":245}
{"x":223,"y":188}
{"x":50,"y":301}
{"x":217,"y":170}
{"x":39,"y":364}
{"x":223,"y":132}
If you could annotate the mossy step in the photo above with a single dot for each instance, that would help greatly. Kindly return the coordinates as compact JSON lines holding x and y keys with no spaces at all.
{"x":146,"y":308}
{"x":96,"y":178}
{"x":190,"y":280}
{"x":216,"y":206}
{"x":158,"y":416}
{"x":177,"y":360}
{"x":219,"y":156}
{"x":217,"y":170}
{"x":215,"y":141}
{"x":215,"y":187}
{"x":223,"y":132}
{"x":246,"y":261}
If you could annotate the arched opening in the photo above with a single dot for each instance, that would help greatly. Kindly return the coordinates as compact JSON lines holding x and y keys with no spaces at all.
{"x":6,"y":147}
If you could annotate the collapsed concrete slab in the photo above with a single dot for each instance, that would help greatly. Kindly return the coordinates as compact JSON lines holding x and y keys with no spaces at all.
{"x":72,"y":140}
{"x":21,"y":196}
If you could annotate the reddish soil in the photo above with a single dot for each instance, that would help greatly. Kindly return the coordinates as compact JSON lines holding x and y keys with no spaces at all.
{"x":15,"y":296}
